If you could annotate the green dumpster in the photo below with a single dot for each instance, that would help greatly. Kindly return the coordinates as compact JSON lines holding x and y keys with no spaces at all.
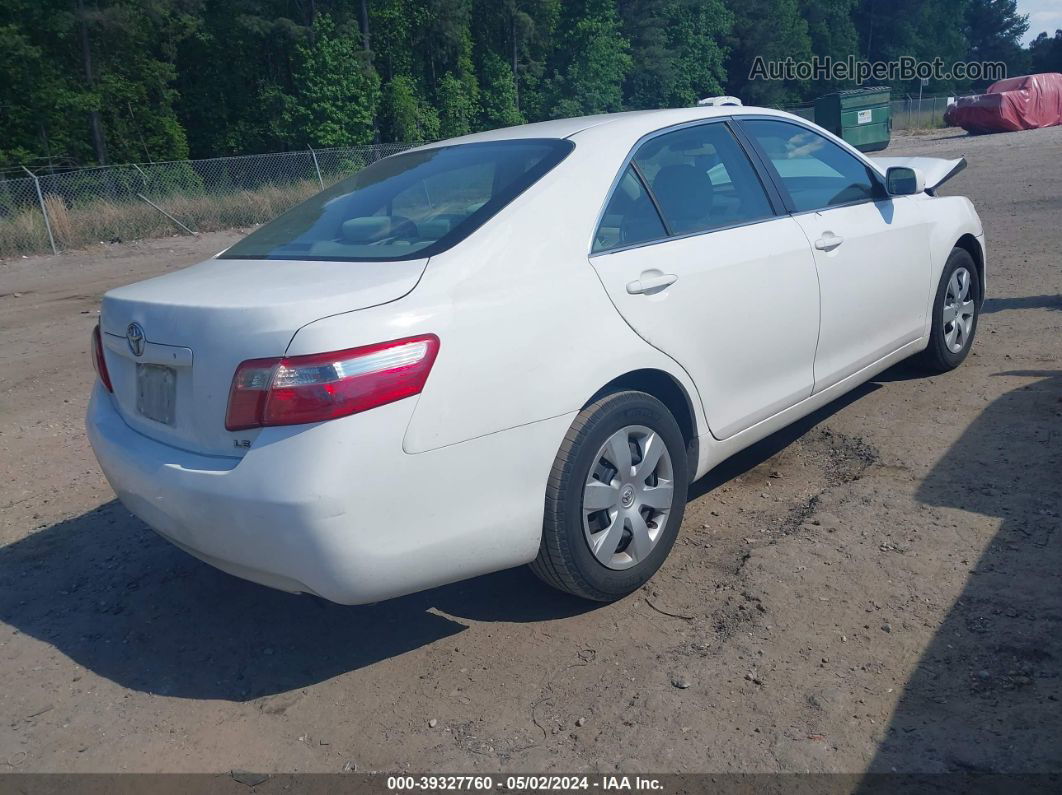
{"x":861,"y":117}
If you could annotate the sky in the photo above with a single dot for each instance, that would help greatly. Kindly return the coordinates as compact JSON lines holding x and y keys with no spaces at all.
{"x":1043,"y":15}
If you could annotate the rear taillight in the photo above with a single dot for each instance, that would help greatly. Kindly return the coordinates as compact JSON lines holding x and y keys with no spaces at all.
{"x":99,"y":364}
{"x":324,"y":386}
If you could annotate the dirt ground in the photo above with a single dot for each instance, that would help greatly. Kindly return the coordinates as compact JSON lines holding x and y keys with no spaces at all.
{"x":876,"y":588}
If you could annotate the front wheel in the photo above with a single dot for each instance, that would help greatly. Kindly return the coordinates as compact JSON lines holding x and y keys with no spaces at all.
{"x":614,"y":499}
{"x":956,"y":308}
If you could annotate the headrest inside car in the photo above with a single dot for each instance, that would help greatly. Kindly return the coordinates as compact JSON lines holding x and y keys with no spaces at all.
{"x":365,"y":229}
{"x":434,"y":229}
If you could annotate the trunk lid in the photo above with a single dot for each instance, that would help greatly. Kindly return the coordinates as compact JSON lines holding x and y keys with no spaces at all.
{"x":201,"y":322}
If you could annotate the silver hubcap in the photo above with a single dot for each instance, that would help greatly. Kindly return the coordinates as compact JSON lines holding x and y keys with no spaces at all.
{"x":627,"y":497}
{"x":958,"y":311}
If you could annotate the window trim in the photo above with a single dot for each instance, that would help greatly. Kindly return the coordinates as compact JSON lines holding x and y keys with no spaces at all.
{"x":668,"y":231}
{"x":774,"y":198}
{"x":776,"y":178}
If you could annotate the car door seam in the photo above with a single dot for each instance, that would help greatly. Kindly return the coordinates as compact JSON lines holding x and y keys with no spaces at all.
{"x":678,"y":364}
{"x":668,"y":230}
{"x":818,"y":283}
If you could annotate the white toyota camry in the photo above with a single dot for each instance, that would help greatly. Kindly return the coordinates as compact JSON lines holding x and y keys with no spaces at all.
{"x":521,"y":346}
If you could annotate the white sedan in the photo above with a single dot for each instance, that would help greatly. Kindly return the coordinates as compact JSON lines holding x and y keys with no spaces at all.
{"x":521,"y":346}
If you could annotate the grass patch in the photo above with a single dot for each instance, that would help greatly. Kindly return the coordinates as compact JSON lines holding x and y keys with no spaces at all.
{"x":129,"y":218}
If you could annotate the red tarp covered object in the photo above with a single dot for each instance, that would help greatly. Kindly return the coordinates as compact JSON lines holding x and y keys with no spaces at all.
{"x":1017,"y":103}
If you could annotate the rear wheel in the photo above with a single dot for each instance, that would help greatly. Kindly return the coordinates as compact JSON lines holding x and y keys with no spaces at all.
{"x":956,"y":308}
{"x":615,"y":498}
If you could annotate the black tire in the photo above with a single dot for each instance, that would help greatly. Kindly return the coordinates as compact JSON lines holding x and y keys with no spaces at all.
{"x":565,"y":559}
{"x":938,"y":357}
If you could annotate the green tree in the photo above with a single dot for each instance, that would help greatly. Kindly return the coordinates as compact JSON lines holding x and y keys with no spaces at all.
{"x":107,"y":72}
{"x":40,"y":111}
{"x":1045,"y":53}
{"x":132,"y":50}
{"x":591,"y":61}
{"x":772,"y":30}
{"x":457,"y":110}
{"x":337,"y":91}
{"x":121,"y":80}
{"x":677,"y":50}
{"x":404,"y":115}
{"x":520,"y":33}
{"x":833,"y":35}
{"x":889,"y":29}
{"x":237,"y":94}
{"x":994,"y":29}
{"x":457,"y":93}
{"x":393,"y":23}
{"x":498,"y":94}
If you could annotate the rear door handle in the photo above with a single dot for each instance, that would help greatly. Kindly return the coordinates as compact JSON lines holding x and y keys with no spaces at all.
{"x":828,"y":242}
{"x":651,"y":283}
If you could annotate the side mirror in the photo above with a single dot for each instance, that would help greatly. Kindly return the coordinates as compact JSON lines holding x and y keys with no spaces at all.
{"x":904,"y":181}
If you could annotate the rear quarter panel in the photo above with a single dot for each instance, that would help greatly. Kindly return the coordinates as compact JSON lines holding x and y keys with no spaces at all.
{"x":527,"y":331}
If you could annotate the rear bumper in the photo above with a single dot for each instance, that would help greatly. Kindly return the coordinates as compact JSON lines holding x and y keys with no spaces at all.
{"x":338,"y":509}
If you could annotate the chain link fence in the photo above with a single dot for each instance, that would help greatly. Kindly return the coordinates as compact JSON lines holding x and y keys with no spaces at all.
{"x":911,"y":113}
{"x":919,"y":113}
{"x":70,"y":209}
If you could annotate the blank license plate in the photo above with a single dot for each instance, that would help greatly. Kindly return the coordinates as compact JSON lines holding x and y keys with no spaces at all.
{"x":156,"y":392}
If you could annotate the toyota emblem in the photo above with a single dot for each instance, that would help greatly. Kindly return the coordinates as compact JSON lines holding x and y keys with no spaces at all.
{"x":134,"y":335}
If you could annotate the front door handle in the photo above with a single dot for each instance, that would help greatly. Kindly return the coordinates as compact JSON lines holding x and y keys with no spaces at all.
{"x":828,"y":242}
{"x":651,"y":282}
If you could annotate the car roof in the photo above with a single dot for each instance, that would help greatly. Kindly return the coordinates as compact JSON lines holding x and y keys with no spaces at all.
{"x":634,"y":122}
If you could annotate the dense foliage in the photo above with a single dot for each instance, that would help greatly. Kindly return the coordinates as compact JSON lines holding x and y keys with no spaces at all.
{"x":85,"y":81}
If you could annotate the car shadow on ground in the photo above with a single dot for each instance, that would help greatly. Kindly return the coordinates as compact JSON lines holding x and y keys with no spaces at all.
{"x":992,"y":305}
{"x":751,"y":457}
{"x":130,"y":607}
{"x":763,"y":450}
{"x":984,"y":695}
{"x":127,"y":605}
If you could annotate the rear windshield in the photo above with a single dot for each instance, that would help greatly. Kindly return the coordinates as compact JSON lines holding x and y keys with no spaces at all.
{"x":406,"y":206}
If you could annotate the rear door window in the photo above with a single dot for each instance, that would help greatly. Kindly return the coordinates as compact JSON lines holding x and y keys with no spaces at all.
{"x":702,"y":179}
{"x":630,"y":217}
